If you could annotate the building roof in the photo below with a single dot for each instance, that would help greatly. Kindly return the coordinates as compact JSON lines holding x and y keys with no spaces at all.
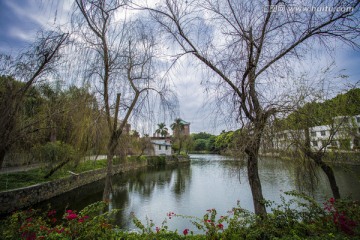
{"x":184,"y":122}
{"x":161,"y":144}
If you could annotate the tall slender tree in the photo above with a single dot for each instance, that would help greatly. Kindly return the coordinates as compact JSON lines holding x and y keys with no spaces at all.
{"x":120,"y":55}
{"x":249,"y":46}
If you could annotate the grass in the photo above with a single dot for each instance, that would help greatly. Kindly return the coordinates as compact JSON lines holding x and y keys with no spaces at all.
{"x":15,"y":180}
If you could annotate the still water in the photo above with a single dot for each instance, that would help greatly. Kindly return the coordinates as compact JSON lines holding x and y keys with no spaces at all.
{"x":208,"y":181}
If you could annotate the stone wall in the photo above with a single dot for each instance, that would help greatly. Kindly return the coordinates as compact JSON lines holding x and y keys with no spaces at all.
{"x":27,"y":196}
{"x":23,"y":197}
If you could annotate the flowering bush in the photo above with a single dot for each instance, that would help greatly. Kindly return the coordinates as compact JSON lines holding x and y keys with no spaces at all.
{"x":86,"y":224}
{"x":345,"y":217}
{"x":298,"y":218}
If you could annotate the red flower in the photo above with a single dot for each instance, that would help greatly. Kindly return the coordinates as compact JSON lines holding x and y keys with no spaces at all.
{"x":157,"y":229}
{"x":220,"y":226}
{"x":51,"y":213}
{"x":71,"y":216}
{"x":53,"y":220}
{"x":42,"y":228}
{"x":332,"y":200}
{"x":69,"y":211}
{"x":186,"y":231}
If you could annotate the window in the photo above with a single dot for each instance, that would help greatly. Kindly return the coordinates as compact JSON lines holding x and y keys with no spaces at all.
{"x":166,"y":147}
{"x":358,"y":119}
{"x":313,"y":134}
{"x":323,"y":133}
{"x":314,"y":143}
{"x":159,"y":147}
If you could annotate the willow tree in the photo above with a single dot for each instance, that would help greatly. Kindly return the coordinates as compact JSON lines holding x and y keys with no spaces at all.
{"x":249,"y":46}
{"x":28,"y":68}
{"x":119,"y":64}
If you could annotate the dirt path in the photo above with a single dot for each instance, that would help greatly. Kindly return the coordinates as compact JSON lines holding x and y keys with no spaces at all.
{"x":24,"y":168}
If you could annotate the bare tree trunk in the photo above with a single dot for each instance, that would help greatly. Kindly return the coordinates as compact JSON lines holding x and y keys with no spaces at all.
{"x":331,"y":177}
{"x":317,"y":158}
{"x":109,"y":172}
{"x":52,"y":171}
{"x":252,"y":151}
{"x":2,"y":156}
{"x":255,"y":184}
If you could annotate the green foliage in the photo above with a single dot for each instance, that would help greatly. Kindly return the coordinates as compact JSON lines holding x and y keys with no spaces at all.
{"x":224,"y":141}
{"x":301,"y":217}
{"x":322,"y":113}
{"x":203,"y":142}
{"x":200,"y":145}
{"x":86,"y":224}
{"x":156,"y":161}
{"x":50,"y":113}
{"x":23,"y":179}
{"x":201,"y":135}
{"x":53,"y":152}
{"x":162,"y":130}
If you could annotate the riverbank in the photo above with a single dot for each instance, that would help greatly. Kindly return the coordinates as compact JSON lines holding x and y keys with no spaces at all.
{"x":23,"y":197}
{"x":345,"y":157}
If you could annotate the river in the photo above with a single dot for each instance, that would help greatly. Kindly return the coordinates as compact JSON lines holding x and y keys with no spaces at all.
{"x":209,"y":181}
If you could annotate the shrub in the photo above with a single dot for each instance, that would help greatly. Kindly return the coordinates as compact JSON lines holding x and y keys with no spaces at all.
{"x":298,"y":218}
{"x":55,"y":152}
{"x":89,"y":223}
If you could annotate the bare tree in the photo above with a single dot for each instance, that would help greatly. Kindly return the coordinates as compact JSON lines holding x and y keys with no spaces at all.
{"x":120,"y":61}
{"x":248,"y":45}
{"x":28,"y":68}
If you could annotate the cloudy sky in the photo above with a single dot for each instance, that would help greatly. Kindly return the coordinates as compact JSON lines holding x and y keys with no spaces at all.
{"x":21,"y":19}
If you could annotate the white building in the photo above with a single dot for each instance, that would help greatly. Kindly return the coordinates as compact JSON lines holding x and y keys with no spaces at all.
{"x":343,"y":134}
{"x":162,"y":146}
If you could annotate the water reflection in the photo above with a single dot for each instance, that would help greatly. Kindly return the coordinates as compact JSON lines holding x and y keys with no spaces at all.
{"x":210,"y":181}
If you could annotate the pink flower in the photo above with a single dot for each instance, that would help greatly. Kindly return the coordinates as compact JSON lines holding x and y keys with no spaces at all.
{"x":170,"y":214}
{"x":157,"y":229}
{"x":186,"y":231}
{"x":71,"y":216}
{"x":69,"y":211}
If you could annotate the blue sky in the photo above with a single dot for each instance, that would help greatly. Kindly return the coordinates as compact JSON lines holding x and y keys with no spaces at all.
{"x":21,"y":19}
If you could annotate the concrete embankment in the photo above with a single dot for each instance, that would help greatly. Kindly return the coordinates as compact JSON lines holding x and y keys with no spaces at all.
{"x":24,"y":197}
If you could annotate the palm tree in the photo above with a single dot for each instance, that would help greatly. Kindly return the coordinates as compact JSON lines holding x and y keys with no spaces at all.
{"x":162,"y":130}
{"x":177,"y":126}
